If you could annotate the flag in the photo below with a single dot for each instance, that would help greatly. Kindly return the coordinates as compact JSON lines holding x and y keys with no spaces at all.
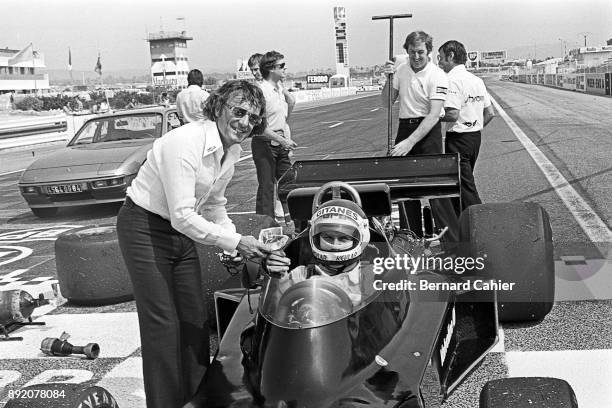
{"x":98,"y":67}
{"x":27,"y":54}
{"x":69,"y":60}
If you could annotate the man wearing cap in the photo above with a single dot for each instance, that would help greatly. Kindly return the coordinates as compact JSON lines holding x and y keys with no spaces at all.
{"x":422,"y":88}
{"x":468,"y":103}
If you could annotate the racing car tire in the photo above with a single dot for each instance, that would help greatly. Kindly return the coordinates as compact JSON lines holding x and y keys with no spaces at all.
{"x":537,"y":392}
{"x":61,"y":395}
{"x":515,"y":240}
{"x":90,"y":267}
{"x":214,"y":275}
{"x":45,"y":212}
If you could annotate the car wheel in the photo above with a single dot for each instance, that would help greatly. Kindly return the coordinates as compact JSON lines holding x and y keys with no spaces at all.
{"x":515,"y":242}
{"x":44,"y":212}
{"x":63,"y":395}
{"x":90,"y":267}
{"x":214,"y":275}
{"x":527,"y":391}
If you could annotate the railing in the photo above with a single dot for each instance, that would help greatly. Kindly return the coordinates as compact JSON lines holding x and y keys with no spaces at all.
{"x":22,"y":77}
{"x":166,"y":35}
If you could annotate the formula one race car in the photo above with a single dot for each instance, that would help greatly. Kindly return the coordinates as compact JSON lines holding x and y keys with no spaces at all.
{"x":408,"y":335}
{"x":400,"y":331}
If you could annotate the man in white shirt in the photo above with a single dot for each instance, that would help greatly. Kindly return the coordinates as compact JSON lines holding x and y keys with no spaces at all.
{"x":421,"y":87}
{"x":190,"y":101}
{"x":177,"y":199}
{"x":271,"y":148}
{"x":253,"y":62}
{"x":468,"y":103}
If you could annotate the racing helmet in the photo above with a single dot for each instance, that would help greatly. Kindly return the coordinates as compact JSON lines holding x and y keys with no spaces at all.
{"x":339,"y":232}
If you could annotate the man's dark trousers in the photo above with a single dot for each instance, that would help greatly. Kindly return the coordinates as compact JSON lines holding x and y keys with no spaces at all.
{"x":271,"y":162}
{"x":442,"y":208}
{"x":468,"y":146}
{"x":165,"y":272}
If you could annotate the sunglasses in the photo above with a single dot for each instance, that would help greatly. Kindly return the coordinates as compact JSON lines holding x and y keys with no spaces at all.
{"x":241,"y":113}
{"x":279,"y":66}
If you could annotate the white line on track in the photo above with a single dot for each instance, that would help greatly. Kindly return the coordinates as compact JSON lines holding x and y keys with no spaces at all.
{"x":16,"y":272}
{"x":337,"y":124}
{"x":589,"y":221}
{"x":348,"y":120}
{"x":374,"y":110}
{"x":11,"y":172}
{"x":248,"y":156}
{"x":241,"y":212}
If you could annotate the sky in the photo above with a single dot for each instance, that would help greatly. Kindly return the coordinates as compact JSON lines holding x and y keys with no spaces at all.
{"x":227,"y":30}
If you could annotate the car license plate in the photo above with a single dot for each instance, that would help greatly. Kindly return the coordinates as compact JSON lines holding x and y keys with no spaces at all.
{"x":65,"y":189}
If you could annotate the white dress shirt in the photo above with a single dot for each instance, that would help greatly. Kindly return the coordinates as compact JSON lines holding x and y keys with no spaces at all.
{"x":190,"y":103}
{"x":183,"y":181}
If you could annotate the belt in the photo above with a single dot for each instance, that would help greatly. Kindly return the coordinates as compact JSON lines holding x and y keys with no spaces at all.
{"x":129,"y":203}
{"x":411,"y":120}
{"x":457,"y":134}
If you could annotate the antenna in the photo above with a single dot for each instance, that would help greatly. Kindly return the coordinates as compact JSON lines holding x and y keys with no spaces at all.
{"x":585,"y":34}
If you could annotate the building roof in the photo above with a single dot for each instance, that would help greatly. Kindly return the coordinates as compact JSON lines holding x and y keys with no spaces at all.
{"x":6,"y":52}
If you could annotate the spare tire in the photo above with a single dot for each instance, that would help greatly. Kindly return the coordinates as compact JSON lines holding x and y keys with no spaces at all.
{"x":214,"y":274}
{"x":515,"y":240}
{"x":62,"y":395}
{"x":90,"y":267}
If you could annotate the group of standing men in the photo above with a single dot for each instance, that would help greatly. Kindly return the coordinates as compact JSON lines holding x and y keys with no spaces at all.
{"x":428,"y":95}
{"x":178,"y":195}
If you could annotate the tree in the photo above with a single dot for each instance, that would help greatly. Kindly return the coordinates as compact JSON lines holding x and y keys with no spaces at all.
{"x":609,"y":42}
{"x":210,"y":80}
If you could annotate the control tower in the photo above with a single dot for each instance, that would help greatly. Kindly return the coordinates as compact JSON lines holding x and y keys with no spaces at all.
{"x":169,"y":61}
{"x":342,"y":63}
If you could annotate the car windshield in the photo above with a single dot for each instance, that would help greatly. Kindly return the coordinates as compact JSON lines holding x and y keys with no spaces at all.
{"x":115,"y":128}
{"x":296,"y":301}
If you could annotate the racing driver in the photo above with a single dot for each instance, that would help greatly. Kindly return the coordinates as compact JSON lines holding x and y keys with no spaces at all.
{"x":338,"y":235}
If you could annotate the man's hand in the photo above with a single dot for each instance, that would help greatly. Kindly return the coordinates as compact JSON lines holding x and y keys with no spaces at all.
{"x":388,"y":68}
{"x":287,"y":143}
{"x":402,"y":148}
{"x":277,"y":262}
{"x":250,"y":247}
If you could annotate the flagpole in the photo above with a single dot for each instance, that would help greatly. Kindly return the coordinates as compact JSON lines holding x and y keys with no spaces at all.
{"x":34,"y":70}
{"x":70,"y":66}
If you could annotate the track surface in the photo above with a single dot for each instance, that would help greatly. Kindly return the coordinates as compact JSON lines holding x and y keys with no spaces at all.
{"x":574,"y":342}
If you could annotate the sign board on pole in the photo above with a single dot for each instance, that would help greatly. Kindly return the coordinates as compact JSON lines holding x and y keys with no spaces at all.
{"x":242,"y":70}
{"x":492,"y":55}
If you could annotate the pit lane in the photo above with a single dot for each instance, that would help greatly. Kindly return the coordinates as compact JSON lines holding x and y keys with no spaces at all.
{"x":573,"y":342}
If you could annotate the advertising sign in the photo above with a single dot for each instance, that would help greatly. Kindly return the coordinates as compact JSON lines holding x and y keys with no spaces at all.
{"x":492,"y":55}
{"x":317,"y":79}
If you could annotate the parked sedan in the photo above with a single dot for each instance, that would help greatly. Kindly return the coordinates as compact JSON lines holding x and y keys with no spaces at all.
{"x":99,"y":163}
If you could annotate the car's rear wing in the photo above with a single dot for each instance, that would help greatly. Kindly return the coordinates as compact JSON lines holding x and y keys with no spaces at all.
{"x":409,"y":178}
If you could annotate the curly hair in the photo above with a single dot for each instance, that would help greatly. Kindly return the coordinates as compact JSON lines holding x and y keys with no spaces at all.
{"x":246,"y":92}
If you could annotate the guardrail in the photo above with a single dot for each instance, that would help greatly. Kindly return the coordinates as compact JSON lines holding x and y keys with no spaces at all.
{"x":34,"y":129}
